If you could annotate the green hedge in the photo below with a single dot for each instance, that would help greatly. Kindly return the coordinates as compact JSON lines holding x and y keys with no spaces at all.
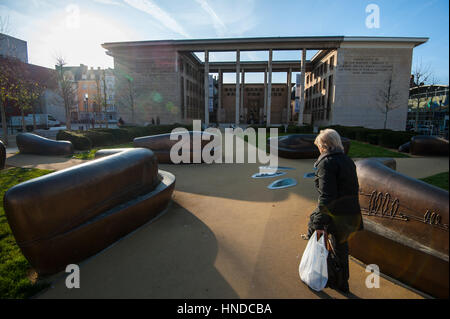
{"x":386,"y":138}
{"x":85,"y":140}
{"x":79,"y":140}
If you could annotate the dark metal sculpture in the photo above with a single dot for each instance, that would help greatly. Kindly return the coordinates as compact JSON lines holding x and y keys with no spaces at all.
{"x":162,"y":144}
{"x":29,"y":143}
{"x":405,"y":148}
{"x":2,"y":155}
{"x":428,"y":145}
{"x":301,"y":146}
{"x":406,"y":228}
{"x":109,"y":151}
{"x":66,"y":216}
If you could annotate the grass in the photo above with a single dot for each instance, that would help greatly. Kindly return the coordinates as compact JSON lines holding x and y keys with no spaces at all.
{"x":88,"y":155}
{"x":439,"y":180}
{"x":16,"y":275}
{"x":364,"y":150}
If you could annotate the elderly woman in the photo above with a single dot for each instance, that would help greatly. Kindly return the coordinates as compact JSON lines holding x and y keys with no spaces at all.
{"x":338,"y":210}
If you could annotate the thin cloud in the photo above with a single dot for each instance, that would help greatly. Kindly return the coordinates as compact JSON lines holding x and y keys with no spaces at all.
{"x":109,"y":2}
{"x":218,"y":23}
{"x":159,"y":14}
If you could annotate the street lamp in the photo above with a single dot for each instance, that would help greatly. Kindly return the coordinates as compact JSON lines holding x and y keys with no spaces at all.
{"x":86,"y":108}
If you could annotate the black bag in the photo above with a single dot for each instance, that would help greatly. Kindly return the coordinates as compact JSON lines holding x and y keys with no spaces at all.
{"x":335,"y":271}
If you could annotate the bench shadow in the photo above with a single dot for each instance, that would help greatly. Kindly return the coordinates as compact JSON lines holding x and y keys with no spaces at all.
{"x":170,"y":257}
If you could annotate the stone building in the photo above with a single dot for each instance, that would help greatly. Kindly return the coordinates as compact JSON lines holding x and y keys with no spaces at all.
{"x":344,"y":83}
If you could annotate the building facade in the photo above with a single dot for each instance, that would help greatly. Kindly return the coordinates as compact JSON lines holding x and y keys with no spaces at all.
{"x":13,"y":47}
{"x":344,"y":83}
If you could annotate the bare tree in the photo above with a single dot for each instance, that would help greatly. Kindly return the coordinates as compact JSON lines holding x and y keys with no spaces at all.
{"x":387,"y":99}
{"x":127,"y":93}
{"x":422,"y":74}
{"x":105,"y":106}
{"x":67,"y":89}
{"x":4,"y":79}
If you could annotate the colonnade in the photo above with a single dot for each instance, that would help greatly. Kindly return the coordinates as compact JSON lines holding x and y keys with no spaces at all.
{"x":240,"y":83}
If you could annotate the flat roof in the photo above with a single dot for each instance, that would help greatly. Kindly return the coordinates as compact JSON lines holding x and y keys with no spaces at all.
{"x":263,"y":43}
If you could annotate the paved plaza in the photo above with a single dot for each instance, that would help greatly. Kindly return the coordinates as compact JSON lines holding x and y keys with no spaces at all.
{"x":225,"y":235}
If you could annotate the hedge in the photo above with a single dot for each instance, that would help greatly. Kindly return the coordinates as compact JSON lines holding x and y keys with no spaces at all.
{"x":386,"y":138}
{"x":85,"y":140}
{"x":79,"y":140}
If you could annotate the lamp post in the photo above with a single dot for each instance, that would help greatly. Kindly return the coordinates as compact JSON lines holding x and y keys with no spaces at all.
{"x":86,"y":108}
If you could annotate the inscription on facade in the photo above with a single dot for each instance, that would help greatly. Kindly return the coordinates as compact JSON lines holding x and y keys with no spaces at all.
{"x":365,"y":65}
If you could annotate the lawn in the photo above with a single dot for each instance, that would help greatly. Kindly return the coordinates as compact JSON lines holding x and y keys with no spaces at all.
{"x":16,"y":276}
{"x":363,"y":150}
{"x":88,"y":155}
{"x":439,"y":180}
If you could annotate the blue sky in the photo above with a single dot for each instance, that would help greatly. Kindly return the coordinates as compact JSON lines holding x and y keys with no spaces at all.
{"x":75,"y":29}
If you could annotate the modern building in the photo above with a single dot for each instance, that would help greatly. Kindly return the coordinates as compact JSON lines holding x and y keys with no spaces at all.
{"x":428,"y":105}
{"x":13,"y":47}
{"x":342,"y":84}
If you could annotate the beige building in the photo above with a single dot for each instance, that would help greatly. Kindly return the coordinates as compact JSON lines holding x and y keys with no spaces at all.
{"x":346,"y":82}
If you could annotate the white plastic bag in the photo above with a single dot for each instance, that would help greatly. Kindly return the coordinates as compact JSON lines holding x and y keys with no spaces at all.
{"x":313,"y":266}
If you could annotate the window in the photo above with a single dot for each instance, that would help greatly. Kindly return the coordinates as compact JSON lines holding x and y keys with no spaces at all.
{"x":332,"y":63}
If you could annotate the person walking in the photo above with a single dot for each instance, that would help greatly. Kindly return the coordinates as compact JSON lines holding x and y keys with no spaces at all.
{"x":338,"y":211}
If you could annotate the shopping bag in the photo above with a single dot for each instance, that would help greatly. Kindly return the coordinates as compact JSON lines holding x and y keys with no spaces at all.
{"x":313,"y":266}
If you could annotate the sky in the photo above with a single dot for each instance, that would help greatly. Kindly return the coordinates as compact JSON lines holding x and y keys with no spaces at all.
{"x":75,"y":30}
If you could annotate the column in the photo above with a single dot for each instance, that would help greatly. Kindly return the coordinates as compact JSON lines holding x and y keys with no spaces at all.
{"x":238,"y":68}
{"x":265,"y":93}
{"x":185,"y":91}
{"x":302,"y":89}
{"x":288,"y":110}
{"x":242,"y":94}
{"x":219,"y":107}
{"x":206,"y":88}
{"x":269,"y":89}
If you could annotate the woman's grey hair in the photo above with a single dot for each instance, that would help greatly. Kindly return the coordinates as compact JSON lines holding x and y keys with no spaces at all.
{"x":330,"y":140}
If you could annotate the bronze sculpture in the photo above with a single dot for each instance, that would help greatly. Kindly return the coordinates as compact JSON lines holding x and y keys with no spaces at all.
{"x":426,"y":145}
{"x":299,"y":146}
{"x":2,"y":155}
{"x":29,"y":143}
{"x":69,"y":215}
{"x":406,"y":228}
{"x":161,"y":144}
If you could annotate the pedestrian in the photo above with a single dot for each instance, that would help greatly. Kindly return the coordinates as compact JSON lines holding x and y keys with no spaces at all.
{"x":338,"y":211}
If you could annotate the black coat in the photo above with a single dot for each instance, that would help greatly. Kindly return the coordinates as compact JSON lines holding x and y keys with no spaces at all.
{"x":338,"y":204}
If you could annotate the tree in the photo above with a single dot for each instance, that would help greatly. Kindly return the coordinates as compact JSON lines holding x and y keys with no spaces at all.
{"x":127,"y":92}
{"x":387,"y":98}
{"x":4,"y":79}
{"x":67,"y":89}
{"x":422,"y":74}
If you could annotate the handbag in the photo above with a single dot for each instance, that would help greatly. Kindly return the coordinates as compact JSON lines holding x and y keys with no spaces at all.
{"x":313,"y":268}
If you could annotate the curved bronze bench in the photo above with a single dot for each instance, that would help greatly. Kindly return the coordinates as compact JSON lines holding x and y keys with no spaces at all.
{"x":66,"y":216}
{"x":405,"y":228}
{"x":428,"y":145}
{"x":2,"y":155}
{"x":299,"y":146}
{"x":29,"y":143}
{"x":405,"y":148}
{"x":161,"y":145}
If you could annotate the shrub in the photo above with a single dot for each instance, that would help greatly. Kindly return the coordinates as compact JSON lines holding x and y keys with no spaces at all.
{"x":78,"y":139}
{"x":372,"y":139}
{"x":99,"y":138}
{"x":120,"y":135}
{"x":299,"y":129}
{"x":393,"y":139}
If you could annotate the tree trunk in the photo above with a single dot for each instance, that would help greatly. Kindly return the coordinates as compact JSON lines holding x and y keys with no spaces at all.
{"x":34,"y":120}
{"x":68,"y":124}
{"x":4,"y":124}
{"x":22,"y":114}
